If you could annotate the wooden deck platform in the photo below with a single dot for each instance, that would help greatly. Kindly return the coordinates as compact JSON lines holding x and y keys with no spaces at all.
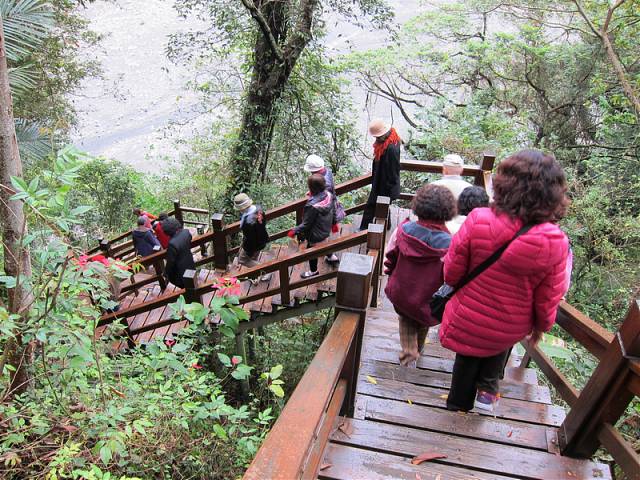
{"x":310,"y":293}
{"x":400,"y":413}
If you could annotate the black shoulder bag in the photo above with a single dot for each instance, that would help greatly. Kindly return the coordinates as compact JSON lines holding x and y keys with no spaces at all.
{"x":445,"y":292}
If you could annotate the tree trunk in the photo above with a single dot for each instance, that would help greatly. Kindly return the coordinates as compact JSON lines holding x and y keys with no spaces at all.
{"x":17,"y":262}
{"x":277,"y":49}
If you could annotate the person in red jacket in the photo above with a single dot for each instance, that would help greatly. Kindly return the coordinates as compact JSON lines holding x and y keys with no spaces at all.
{"x":163,"y":238}
{"x":414,"y":258}
{"x":518,"y":295}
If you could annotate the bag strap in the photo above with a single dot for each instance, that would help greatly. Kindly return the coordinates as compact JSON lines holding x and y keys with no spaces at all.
{"x":492,"y":259}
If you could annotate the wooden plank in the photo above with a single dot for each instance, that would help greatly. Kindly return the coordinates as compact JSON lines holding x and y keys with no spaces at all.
{"x":467,"y":453}
{"x":346,"y":463}
{"x":524,"y":375}
{"x":508,"y":432}
{"x":430,"y":378}
{"x":287,"y":445}
{"x":509,"y":408}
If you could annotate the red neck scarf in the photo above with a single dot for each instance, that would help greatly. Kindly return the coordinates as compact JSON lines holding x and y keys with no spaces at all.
{"x":380,"y":147}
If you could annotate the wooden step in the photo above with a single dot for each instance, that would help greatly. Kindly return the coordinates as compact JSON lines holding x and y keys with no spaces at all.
{"x":509,"y":408}
{"x":343,"y":462}
{"x":432,"y":378}
{"x":469,"y":453}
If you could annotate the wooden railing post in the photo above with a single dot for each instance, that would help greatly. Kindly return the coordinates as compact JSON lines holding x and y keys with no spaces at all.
{"x":219,"y":241}
{"x":203,"y":247}
{"x":488,"y":160}
{"x":375,"y":241}
{"x":285,"y":295}
{"x":177,"y":211}
{"x":605,"y":396}
{"x":352,"y":294}
{"x":190,"y":279}
{"x":158,"y":266}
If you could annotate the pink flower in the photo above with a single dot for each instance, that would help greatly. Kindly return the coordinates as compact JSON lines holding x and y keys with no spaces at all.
{"x":228,"y":286}
{"x":169,"y":343}
{"x":196,"y":366}
{"x":235,"y":360}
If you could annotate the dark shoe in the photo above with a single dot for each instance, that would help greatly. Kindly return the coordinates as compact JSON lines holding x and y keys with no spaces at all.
{"x":333,"y":258}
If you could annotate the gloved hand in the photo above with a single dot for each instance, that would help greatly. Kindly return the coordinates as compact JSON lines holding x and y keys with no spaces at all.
{"x":291,"y":233}
{"x":335,"y":228}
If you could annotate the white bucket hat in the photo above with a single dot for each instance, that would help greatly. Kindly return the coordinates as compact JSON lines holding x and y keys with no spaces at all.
{"x":313,"y":163}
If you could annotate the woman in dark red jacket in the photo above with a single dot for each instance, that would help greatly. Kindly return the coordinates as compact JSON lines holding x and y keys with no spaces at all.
{"x":414,"y":266}
{"x":519,"y":294}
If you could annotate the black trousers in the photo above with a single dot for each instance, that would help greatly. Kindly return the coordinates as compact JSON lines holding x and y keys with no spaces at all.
{"x":471,"y":374}
{"x":368,"y":216}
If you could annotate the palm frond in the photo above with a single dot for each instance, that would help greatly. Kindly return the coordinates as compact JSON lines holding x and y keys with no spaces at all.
{"x":33,"y":143}
{"x":26,"y":24}
{"x":22,"y":80}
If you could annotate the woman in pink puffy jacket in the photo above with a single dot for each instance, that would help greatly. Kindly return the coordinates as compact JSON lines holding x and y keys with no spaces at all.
{"x":518,"y":295}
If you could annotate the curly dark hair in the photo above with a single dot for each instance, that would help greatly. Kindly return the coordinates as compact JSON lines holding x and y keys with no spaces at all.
{"x":316,"y":183}
{"x":531,"y":185}
{"x":470,"y":198}
{"x":435,"y":203}
{"x":171,"y":226}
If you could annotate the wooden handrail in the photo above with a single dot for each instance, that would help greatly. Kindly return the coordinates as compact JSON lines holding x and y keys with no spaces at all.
{"x":591,"y":335}
{"x":285,"y":452}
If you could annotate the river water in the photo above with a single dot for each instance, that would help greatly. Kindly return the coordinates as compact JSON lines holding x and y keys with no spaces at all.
{"x":141,"y":111}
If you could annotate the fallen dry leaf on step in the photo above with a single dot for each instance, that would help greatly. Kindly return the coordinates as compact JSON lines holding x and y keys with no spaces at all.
{"x":418,"y":477}
{"x":409,"y":401}
{"x":324,"y":466}
{"x":370,"y":379}
{"x":510,"y":433}
{"x":425,"y":457}
{"x":444,"y":397}
{"x":346,"y":428}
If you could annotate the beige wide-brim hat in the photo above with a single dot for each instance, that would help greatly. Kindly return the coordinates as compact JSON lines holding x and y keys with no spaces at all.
{"x":378,"y":127}
{"x":453,"y":160}
{"x":313,"y":163}
{"x":242,"y":201}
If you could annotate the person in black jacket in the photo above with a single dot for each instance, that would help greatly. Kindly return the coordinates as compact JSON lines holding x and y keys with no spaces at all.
{"x":179,"y":257}
{"x":385,"y":170}
{"x":254,"y":232}
{"x":317,"y":219}
{"x":144,"y":240}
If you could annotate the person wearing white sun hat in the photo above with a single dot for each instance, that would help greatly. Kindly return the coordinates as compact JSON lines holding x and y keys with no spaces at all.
{"x":315,"y":164}
{"x":385,"y":170}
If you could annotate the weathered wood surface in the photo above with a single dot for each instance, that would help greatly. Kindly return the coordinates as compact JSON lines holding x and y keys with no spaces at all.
{"x":401,"y":412}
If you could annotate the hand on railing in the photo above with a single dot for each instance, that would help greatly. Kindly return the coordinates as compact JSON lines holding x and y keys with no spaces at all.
{"x":534,"y":337}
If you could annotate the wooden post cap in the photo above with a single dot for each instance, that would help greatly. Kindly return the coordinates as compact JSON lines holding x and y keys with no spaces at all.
{"x":375,"y":237}
{"x":354,"y":279}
